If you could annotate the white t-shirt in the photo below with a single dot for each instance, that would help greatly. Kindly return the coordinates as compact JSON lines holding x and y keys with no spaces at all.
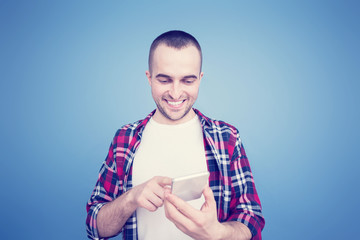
{"x":172,"y":151}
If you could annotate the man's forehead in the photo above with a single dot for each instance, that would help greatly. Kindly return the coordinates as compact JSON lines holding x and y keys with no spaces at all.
{"x":170,"y":60}
{"x":162,"y":48}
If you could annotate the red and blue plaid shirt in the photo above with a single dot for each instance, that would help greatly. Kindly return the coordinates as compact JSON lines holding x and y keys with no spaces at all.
{"x":230,"y":178}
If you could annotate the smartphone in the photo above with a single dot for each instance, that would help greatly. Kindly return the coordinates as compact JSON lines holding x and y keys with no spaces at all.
{"x":190,"y":187}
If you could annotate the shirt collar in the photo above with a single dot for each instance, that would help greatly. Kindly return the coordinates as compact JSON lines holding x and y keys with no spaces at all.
{"x":205,"y":121}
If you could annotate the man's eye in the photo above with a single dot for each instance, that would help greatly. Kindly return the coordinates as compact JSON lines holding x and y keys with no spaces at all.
{"x":163,"y":80}
{"x":189,"y":81}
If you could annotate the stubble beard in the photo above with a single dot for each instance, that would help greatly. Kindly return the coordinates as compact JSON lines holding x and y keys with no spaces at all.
{"x":165,"y":114}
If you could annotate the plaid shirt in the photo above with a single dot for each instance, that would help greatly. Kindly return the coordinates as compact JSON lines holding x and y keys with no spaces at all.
{"x":230,"y":178}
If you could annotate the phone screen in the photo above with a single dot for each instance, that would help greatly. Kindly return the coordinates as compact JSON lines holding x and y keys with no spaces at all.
{"x":190,"y":187}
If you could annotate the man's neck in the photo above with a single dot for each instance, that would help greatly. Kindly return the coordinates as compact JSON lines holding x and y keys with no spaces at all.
{"x":160,"y":118}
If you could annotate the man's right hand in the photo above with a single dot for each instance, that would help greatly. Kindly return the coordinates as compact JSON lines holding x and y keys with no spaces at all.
{"x":150,"y":194}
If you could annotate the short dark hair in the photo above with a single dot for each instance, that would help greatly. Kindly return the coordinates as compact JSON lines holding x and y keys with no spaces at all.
{"x":175,"y":39}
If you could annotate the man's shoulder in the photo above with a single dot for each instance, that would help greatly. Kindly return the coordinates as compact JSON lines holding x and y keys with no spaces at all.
{"x":216,"y":125}
{"x":223,"y":125}
{"x":131,"y":129}
{"x":127,"y":128}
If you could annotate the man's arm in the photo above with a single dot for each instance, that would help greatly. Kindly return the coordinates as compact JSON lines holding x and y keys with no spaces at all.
{"x":247,"y":207}
{"x":235,"y":230}
{"x":109,"y":206}
{"x":203,"y":223}
{"x":113,"y":215}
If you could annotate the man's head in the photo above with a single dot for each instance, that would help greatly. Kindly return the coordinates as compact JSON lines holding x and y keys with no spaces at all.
{"x":174,"y":76}
{"x":174,"y":39}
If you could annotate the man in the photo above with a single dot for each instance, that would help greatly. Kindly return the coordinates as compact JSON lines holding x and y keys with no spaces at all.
{"x":132,"y":193}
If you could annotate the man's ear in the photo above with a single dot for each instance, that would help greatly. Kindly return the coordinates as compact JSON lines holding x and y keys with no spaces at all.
{"x":201,"y":75}
{"x":148,"y":75}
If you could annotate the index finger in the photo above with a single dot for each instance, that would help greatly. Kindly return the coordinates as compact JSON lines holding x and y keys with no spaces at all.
{"x":182,"y":206}
{"x":163,"y":181}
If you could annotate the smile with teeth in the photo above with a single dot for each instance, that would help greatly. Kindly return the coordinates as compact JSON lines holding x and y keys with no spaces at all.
{"x":175,"y":103}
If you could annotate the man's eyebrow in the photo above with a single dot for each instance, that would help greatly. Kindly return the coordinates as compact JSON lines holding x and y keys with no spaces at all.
{"x":190,"y":76}
{"x":160,"y":75}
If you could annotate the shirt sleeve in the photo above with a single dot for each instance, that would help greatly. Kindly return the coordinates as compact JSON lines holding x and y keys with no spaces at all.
{"x":245,"y":205}
{"x":106,"y":190}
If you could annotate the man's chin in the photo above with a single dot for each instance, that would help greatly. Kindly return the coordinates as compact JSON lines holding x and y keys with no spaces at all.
{"x":177,"y":116}
{"x":174,"y":115}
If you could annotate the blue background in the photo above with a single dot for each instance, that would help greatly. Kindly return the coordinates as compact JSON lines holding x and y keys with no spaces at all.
{"x":286,"y":73}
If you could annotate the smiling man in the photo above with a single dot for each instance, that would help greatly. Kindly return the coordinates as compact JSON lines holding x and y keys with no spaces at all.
{"x":132,"y":193}
{"x":174,"y":77}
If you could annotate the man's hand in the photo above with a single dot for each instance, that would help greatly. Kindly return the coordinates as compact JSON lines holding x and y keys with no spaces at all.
{"x":198,"y":224}
{"x":113,"y":215}
{"x":203,"y":223}
{"x":150,"y":194}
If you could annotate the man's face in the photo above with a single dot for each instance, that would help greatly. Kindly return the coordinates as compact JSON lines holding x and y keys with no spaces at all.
{"x":175,"y":79}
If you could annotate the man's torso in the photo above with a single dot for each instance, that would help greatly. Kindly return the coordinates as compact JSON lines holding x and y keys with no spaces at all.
{"x":167,"y":150}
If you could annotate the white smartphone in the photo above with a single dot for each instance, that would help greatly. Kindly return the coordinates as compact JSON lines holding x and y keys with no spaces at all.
{"x":190,"y":187}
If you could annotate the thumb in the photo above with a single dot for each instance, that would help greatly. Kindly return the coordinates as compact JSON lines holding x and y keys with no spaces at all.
{"x":208,"y":195}
{"x":164,"y":181}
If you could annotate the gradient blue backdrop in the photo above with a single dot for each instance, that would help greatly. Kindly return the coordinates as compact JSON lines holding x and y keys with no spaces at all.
{"x":286,"y":73}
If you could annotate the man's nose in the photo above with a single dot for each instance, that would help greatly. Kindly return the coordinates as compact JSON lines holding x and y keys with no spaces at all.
{"x":175,"y":90}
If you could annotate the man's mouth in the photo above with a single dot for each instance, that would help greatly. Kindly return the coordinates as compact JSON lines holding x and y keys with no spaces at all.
{"x":175,"y":103}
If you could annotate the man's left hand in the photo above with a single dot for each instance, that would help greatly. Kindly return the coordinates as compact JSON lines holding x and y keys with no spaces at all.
{"x":198,"y":224}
